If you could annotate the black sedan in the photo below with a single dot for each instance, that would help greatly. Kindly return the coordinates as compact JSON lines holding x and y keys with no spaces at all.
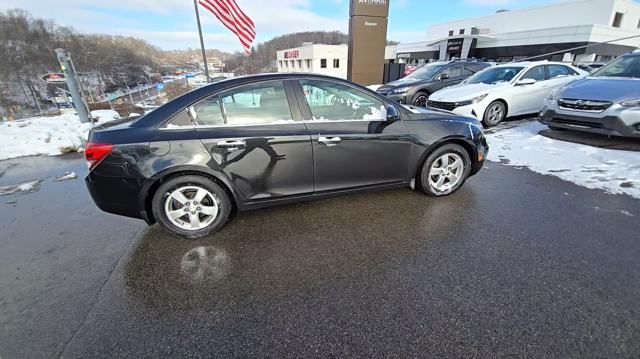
{"x":258,"y":141}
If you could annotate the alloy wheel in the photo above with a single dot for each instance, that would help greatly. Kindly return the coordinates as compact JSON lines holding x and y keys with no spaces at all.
{"x":191,"y":207}
{"x":495,"y":113}
{"x":446,"y":172}
{"x":420,"y":101}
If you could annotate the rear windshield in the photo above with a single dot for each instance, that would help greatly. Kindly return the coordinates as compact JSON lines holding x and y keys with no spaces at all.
{"x":495,"y":75}
{"x":626,"y":66}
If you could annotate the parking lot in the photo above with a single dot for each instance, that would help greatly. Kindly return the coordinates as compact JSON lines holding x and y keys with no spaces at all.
{"x":516,"y":264}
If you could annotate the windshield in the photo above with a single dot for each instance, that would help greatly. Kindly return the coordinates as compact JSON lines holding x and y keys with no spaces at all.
{"x":626,"y":66}
{"x":494,"y":75}
{"x":425,"y":72}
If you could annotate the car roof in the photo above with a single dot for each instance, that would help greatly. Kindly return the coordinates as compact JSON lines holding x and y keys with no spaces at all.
{"x":532,"y":63}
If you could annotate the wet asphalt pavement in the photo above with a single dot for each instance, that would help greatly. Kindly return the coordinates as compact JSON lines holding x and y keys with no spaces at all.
{"x":515,"y":264}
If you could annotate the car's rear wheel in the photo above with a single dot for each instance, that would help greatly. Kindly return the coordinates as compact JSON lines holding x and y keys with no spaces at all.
{"x":494,"y":114}
{"x":420,"y":99}
{"x":191,"y":206}
{"x":445,"y":170}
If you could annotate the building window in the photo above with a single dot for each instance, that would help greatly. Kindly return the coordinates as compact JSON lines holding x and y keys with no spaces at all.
{"x":323,"y":63}
{"x":336,"y":63}
{"x":461,"y":31}
{"x":450,"y":32}
{"x":475,"y":31}
{"x":308,"y":63}
{"x":299,"y":64}
{"x":638,"y":24}
{"x":617,"y":19}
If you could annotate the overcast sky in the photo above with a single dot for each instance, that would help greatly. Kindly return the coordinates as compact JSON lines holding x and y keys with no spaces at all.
{"x":170,"y":24}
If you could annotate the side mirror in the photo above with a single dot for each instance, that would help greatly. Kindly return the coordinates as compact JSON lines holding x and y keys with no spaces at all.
{"x":525,"y":82}
{"x":392,"y":114}
{"x":444,"y":77}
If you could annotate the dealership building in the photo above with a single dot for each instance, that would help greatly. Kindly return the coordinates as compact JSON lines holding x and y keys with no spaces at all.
{"x":330,"y":60}
{"x":518,"y":34}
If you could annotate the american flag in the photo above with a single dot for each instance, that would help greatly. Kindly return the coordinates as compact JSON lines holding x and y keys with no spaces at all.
{"x":231,"y":16}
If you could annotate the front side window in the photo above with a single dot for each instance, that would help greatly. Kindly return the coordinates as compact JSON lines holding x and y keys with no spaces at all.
{"x":536,"y":73}
{"x":626,"y":66}
{"x":256,"y":104}
{"x":331,"y":101}
{"x":426,"y":72}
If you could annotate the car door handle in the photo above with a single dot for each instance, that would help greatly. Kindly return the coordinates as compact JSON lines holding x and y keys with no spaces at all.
{"x":329,"y":141}
{"x":230,"y":144}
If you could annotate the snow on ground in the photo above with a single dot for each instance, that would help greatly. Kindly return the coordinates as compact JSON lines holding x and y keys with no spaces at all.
{"x":614,"y":171}
{"x":23,"y":187}
{"x":67,"y":176}
{"x":48,"y":135}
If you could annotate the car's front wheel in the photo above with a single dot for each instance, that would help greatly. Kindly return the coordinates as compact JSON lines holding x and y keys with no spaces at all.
{"x":420,"y":99}
{"x":191,"y":206}
{"x":445,"y":170}
{"x":494,"y":114}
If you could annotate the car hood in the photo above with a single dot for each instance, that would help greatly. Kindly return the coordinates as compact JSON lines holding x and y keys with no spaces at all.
{"x":401,"y":83}
{"x":602,"y":89}
{"x":463,"y":92}
{"x":423,"y":113}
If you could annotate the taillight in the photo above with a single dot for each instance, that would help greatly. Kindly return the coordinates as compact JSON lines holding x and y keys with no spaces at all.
{"x":96,"y":152}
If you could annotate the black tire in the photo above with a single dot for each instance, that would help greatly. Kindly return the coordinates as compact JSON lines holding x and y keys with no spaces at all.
{"x":488,"y":118}
{"x":420,"y":99}
{"x":221,"y":197}
{"x":451,"y":148}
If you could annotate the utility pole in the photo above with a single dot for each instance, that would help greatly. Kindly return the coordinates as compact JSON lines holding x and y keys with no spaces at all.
{"x":128,"y":91}
{"x":72,"y":82}
{"x":204,"y":55}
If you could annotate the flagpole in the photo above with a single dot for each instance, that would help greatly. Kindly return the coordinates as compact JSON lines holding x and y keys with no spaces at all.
{"x":204,"y":55}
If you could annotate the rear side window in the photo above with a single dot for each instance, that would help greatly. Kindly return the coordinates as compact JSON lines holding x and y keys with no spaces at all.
{"x":208,"y":112}
{"x":536,"y":73}
{"x":454,"y":70}
{"x":557,"y":71}
{"x":181,"y":120}
{"x":256,"y":104}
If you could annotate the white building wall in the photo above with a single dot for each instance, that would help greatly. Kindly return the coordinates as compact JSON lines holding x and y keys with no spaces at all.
{"x":315,"y":54}
{"x":585,"y":12}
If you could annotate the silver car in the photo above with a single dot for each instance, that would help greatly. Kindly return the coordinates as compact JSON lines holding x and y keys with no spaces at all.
{"x":607,"y":102}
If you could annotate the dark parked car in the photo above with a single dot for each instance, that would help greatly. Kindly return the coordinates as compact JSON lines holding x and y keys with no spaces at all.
{"x":606,"y":102}
{"x":415,"y":88}
{"x":258,"y":141}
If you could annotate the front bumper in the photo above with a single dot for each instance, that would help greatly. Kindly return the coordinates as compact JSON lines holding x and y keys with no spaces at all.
{"x":402,"y":98}
{"x":616,"y":120}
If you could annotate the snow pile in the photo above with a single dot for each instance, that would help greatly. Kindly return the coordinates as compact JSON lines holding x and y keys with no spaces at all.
{"x":48,"y":135}
{"x":614,"y":171}
{"x":67,"y":176}
{"x":23,"y":187}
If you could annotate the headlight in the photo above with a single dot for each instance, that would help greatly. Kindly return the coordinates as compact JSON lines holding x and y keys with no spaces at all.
{"x":553,"y":95}
{"x":631,"y":103}
{"x":400,"y":90}
{"x":473,"y":100}
{"x":479,"y":98}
